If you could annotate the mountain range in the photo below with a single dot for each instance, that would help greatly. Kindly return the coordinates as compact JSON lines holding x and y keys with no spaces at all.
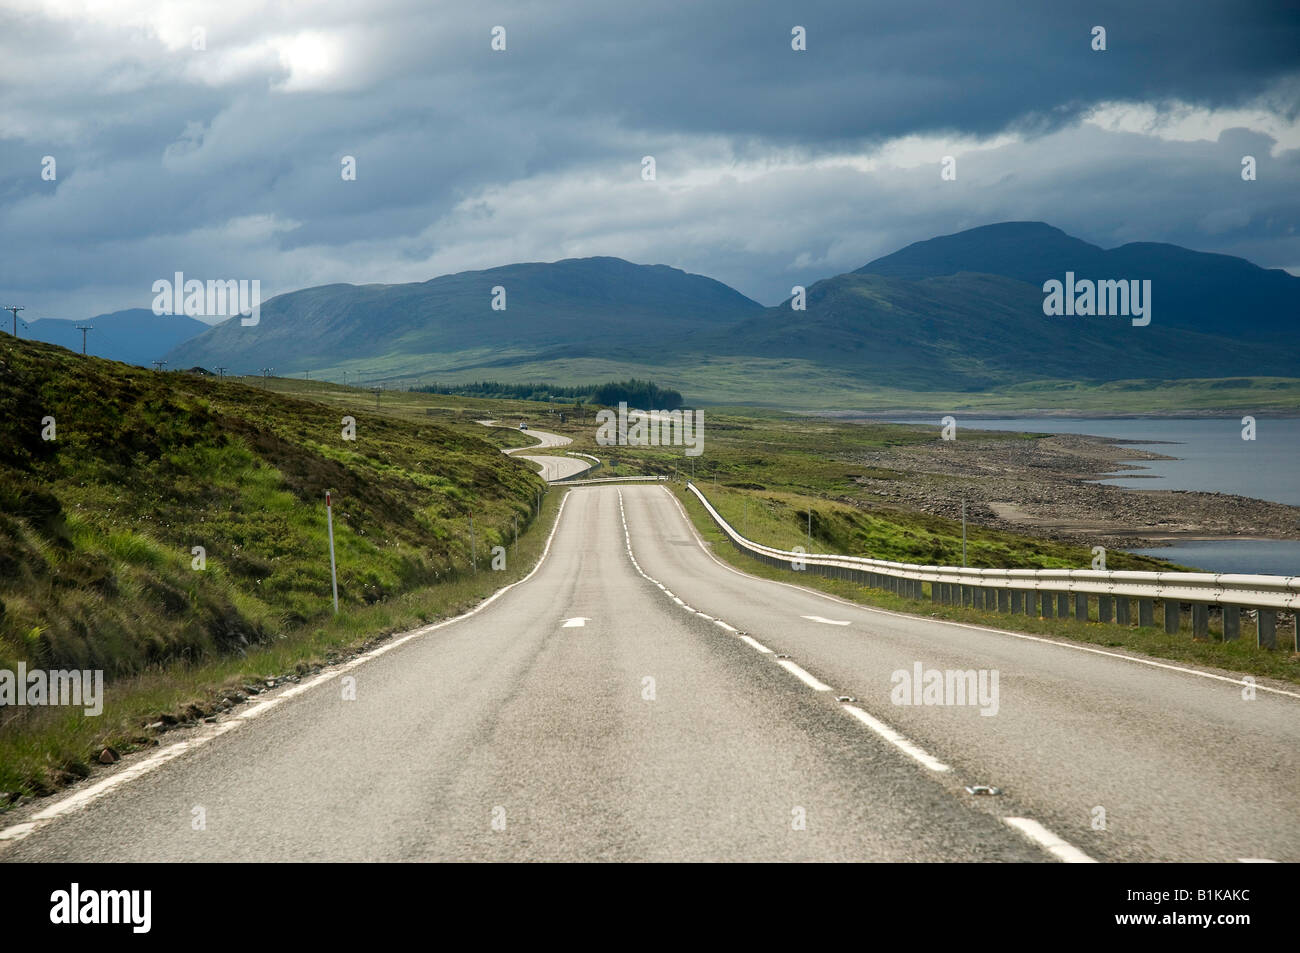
{"x":960,"y":312}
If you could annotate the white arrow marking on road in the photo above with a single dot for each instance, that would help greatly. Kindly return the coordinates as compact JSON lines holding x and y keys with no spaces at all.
{"x":817,"y":618}
{"x":575,"y":623}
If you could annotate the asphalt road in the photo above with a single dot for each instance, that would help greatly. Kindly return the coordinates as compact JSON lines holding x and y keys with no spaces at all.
{"x":657,"y":729}
{"x":551,"y":468}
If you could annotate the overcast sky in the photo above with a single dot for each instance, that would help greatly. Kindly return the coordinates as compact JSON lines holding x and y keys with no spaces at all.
{"x":774,"y":167}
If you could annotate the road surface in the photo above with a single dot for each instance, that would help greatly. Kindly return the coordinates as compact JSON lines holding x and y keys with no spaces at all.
{"x":551,"y":468}
{"x":628,"y":701}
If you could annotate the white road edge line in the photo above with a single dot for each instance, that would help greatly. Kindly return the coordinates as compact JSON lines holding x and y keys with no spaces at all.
{"x":897,"y":740}
{"x":93,"y":793}
{"x":978,"y":628}
{"x":1054,"y":845}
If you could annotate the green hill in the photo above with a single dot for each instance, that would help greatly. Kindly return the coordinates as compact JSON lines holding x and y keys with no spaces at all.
{"x":97,"y":525}
{"x":587,"y":306}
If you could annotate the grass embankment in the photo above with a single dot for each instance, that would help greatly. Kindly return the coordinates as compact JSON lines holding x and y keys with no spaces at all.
{"x":98,"y":526}
{"x":776,"y":522}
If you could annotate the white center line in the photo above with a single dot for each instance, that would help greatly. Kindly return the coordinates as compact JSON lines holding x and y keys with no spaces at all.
{"x":1053,"y":844}
{"x":817,"y":618}
{"x":803,"y":676}
{"x":897,"y":740}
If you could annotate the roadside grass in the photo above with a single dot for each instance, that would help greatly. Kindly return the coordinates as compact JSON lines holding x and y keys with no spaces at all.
{"x":1240,"y":656}
{"x":781,"y":519}
{"x":176,"y":522}
{"x":44,"y":749}
{"x":99,"y":526}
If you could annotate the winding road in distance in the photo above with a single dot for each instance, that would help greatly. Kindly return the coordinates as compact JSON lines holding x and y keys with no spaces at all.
{"x":636,"y":699}
{"x":551,"y":468}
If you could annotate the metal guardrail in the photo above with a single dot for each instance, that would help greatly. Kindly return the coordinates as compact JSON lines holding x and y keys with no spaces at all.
{"x":1035,"y":590}
{"x":570,"y":481}
{"x":581,"y":474}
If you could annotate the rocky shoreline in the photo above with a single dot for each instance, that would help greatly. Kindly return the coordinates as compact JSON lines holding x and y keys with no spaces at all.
{"x":1047,"y":486}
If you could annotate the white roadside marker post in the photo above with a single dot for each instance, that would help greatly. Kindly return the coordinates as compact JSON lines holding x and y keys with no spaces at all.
{"x":329,"y":521}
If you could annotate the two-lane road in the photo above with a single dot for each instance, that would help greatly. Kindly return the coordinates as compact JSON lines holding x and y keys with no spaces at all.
{"x":642,"y":733}
{"x":628,"y":701}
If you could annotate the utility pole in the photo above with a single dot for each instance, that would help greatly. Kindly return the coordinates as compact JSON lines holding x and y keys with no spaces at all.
{"x":345,"y":378}
{"x":159,"y":365}
{"x":963,"y":529}
{"x":15,"y":309}
{"x":222,"y":372}
{"x":377,"y":393}
{"x":83,"y":328}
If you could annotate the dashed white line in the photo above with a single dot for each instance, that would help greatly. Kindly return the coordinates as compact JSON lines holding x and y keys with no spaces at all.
{"x":803,"y":676}
{"x":755,"y":644}
{"x":897,"y":740}
{"x":1054,"y":845}
{"x":817,"y":618}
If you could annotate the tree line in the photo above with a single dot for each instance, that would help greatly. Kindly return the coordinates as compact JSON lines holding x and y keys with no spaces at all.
{"x":640,"y":394}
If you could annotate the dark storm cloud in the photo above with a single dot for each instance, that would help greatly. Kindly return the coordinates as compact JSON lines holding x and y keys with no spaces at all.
{"x":774,"y":166}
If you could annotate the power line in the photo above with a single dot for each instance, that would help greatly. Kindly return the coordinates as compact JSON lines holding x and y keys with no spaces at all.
{"x":159,"y":365}
{"x":15,"y":309}
{"x":221,"y":371}
{"x":83,"y":328}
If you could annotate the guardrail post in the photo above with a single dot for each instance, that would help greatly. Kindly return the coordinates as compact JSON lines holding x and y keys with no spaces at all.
{"x":936,"y":592}
{"x":1231,"y":623}
{"x":1047,"y":605}
{"x":1031,"y":603}
{"x":1200,"y":620}
{"x":982,"y":597}
{"x":1146,"y":612}
{"x":1103,"y":609}
{"x":1063,"y":605}
{"x":1081,"y":606}
{"x":1266,"y":629}
{"x":1017,"y":602}
{"x":1123,"y":608}
{"x":1004,"y":600}
{"x":1173,"y":616}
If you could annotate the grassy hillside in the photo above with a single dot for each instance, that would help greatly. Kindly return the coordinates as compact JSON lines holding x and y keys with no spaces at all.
{"x":97,"y":525}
